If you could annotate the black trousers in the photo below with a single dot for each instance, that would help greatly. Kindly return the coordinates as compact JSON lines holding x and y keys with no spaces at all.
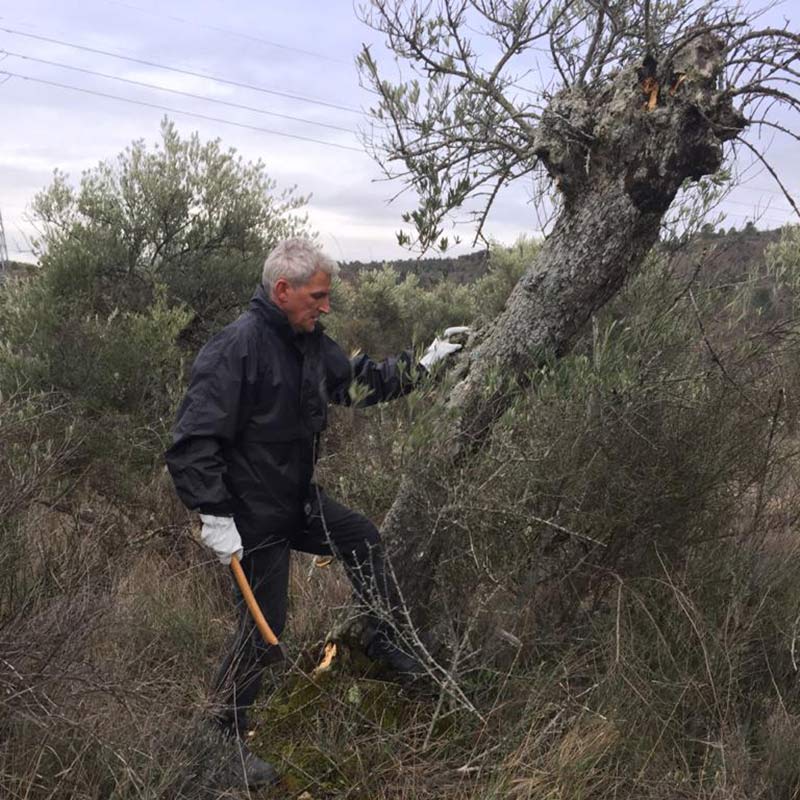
{"x":330,"y":529}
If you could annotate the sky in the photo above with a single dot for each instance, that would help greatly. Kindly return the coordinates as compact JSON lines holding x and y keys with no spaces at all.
{"x":299,"y":60}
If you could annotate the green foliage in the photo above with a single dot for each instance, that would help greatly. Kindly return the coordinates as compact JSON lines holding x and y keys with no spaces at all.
{"x":783,"y":263}
{"x":124,"y":361}
{"x":185,"y":214}
{"x":695,"y":210}
{"x":505,"y":268}
{"x":148,"y":255}
{"x":650,"y":436}
{"x":118,"y":376}
{"x":381,"y":316}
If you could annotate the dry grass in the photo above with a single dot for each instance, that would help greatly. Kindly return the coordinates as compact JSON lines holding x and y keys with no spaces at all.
{"x":659,"y":664}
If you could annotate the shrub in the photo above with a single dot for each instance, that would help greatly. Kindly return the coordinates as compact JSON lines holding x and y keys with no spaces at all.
{"x":185,"y":215}
{"x":141,"y":262}
{"x":381,"y":316}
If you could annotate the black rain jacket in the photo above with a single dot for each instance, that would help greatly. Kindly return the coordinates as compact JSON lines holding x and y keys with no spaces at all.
{"x":247,"y":430}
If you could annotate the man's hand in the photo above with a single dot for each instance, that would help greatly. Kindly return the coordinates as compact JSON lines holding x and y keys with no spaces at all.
{"x":220,"y":535}
{"x":441,"y":348}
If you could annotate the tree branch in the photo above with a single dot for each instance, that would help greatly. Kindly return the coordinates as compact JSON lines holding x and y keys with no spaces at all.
{"x":771,"y":171}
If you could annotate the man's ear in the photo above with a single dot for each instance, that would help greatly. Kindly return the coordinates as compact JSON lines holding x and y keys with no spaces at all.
{"x":280,"y":291}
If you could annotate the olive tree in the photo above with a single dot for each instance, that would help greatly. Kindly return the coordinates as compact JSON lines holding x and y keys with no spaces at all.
{"x":613,"y":105}
{"x":185,"y":214}
{"x":141,"y":260}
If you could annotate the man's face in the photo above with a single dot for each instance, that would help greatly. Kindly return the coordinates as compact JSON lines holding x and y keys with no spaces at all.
{"x":303,"y":305}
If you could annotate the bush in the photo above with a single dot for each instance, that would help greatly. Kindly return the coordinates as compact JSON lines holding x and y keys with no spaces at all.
{"x":380,"y":314}
{"x":138,"y":265}
{"x":505,"y":268}
{"x":184,"y":215}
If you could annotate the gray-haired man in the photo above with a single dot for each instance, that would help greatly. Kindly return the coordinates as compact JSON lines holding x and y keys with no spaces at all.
{"x":243,"y":454}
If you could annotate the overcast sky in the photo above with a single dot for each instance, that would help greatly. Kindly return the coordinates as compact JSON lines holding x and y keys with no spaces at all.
{"x":302,"y":48}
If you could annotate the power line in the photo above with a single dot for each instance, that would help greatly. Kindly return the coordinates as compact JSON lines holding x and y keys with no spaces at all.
{"x":180,"y":71}
{"x":229,"y":32}
{"x":177,"y":91}
{"x":758,"y":217}
{"x":769,"y":205}
{"x":179,"y":111}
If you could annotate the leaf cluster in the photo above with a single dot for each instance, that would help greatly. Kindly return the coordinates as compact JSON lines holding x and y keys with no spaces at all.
{"x":380,"y":313}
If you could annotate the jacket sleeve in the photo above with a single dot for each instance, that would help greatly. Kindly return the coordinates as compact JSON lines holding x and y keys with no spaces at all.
{"x":209,"y":418}
{"x":383,"y":380}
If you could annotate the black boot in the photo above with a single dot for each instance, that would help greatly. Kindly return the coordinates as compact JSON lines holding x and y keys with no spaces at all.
{"x":239,"y":767}
{"x":251,"y":771}
{"x":382,"y":648}
{"x":221,"y":761}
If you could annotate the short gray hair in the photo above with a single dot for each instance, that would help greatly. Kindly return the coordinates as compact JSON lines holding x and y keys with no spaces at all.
{"x":296,"y":260}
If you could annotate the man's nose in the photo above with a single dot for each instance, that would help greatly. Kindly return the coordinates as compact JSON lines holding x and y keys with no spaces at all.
{"x":325,"y":306}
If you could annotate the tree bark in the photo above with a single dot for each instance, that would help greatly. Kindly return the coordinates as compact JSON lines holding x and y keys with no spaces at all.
{"x":619,"y":159}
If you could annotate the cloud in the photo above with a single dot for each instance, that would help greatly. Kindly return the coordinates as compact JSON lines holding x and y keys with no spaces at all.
{"x":46,"y":127}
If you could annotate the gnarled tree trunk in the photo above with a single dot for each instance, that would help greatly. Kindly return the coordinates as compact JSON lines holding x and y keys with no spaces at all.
{"x":618,"y":153}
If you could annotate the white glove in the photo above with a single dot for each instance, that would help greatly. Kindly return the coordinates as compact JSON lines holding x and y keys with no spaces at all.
{"x":220,"y":535}
{"x":441,"y":348}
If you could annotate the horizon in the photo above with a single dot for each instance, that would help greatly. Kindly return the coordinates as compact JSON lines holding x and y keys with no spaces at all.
{"x":128,"y":62}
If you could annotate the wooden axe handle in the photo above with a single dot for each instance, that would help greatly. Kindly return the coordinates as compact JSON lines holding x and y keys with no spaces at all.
{"x":252,"y":603}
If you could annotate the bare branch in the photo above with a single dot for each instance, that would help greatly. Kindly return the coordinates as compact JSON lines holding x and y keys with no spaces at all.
{"x":775,"y":126}
{"x":590,"y":55}
{"x":772,"y":172}
{"x":457,"y":126}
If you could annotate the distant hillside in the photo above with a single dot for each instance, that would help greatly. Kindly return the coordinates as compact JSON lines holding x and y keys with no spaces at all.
{"x":18,"y":269}
{"x":725,"y":255}
{"x":463,"y":269}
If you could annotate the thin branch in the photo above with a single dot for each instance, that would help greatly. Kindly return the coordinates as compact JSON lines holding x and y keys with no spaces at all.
{"x":771,"y":171}
{"x":776,"y":126}
{"x":589,"y":60}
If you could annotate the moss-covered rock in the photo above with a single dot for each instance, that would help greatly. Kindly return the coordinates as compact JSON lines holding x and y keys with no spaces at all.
{"x":326,"y":729}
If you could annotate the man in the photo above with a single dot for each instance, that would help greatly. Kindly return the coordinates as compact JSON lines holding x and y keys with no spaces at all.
{"x":243,"y":454}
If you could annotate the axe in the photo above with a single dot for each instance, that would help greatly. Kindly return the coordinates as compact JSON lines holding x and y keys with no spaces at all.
{"x":252,"y":604}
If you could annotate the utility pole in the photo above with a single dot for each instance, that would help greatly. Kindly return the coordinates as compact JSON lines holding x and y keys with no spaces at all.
{"x":4,"y":265}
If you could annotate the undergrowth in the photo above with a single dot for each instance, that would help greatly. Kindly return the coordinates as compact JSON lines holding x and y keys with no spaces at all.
{"x":617,"y":616}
